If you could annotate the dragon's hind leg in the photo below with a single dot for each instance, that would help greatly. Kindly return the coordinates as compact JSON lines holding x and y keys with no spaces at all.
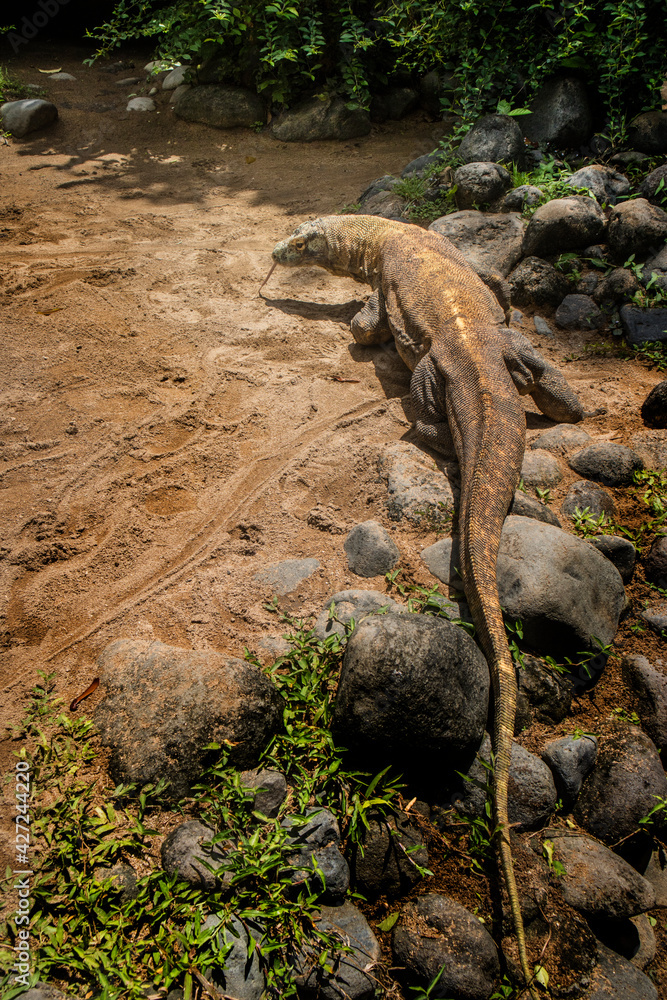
{"x":531,"y":373}
{"x":427,"y":390}
{"x":370,"y":324}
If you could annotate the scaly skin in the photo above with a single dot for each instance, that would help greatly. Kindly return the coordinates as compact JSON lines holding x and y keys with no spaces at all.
{"x":469,"y":370}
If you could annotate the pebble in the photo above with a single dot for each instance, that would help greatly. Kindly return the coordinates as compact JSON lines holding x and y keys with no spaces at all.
{"x":183,"y":852}
{"x":141,"y":104}
{"x":571,"y":761}
{"x":370,"y":550}
{"x":607,"y":463}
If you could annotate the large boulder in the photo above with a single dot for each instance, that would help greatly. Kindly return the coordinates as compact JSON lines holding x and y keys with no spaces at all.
{"x":648,"y":133}
{"x":221,"y":106}
{"x":480,"y":183}
{"x":437,"y":935}
{"x":606,"y":184}
{"x":320,"y":119}
{"x":23,"y":117}
{"x":561,"y":588}
{"x":493,"y":138}
{"x":622,"y":787}
{"x":650,"y":686}
{"x":597,"y":882}
{"x":163,"y":705}
{"x":561,"y":114}
{"x":488,"y":241}
{"x":537,"y":283}
{"x":635,"y":227}
{"x":564,"y":224}
{"x":346,"y":975}
{"x":412,"y":685}
{"x":614,"y":978}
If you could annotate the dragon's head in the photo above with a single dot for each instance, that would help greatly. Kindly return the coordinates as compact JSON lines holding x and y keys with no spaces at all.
{"x":306,"y":245}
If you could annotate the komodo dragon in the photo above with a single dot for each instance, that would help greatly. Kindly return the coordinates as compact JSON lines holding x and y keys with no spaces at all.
{"x":469,"y":371}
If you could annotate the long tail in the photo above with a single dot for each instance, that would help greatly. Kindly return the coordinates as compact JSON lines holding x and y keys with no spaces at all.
{"x":492,"y":445}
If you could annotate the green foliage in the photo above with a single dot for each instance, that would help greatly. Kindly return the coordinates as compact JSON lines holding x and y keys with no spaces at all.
{"x":656,"y":819}
{"x":84,"y":932}
{"x":496,"y":52}
{"x":588,"y":525}
{"x":12,"y":89}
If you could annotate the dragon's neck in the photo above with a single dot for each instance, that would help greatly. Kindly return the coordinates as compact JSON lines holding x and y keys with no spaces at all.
{"x":354,"y":243}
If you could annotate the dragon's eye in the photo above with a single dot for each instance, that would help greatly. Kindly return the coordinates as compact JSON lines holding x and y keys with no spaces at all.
{"x":300,"y":243}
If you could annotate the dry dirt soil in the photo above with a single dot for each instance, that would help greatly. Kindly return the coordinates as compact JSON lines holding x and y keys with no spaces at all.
{"x":164,"y":432}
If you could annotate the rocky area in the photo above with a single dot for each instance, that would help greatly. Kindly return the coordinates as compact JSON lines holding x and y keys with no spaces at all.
{"x":182,"y":459}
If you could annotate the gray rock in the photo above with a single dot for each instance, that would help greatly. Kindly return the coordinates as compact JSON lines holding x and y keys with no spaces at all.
{"x":417,"y":168}
{"x":349,"y":975}
{"x":606,"y":184}
{"x":635,"y":227}
{"x":615,"y":978}
{"x":178,"y":93}
{"x":648,"y":133}
{"x":394,"y":104}
{"x":584,"y":495}
{"x":587,"y":284}
{"x":370,"y":550}
{"x":240,"y":974}
{"x":651,"y":446}
{"x":315,"y":119}
{"x":266,"y":788}
{"x":452,"y":939}
{"x":128,"y":81}
{"x":622,"y":787}
{"x":564,"y":224}
{"x":387,"y":860}
{"x":654,"y":407}
{"x":607,"y":463}
{"x":640,"y":325}
{"x":284,"y":577}
{"x":598,"y":882}
{"x":44,"y":991}
{"x":480,"y":184}
{"x":561,"y":611}
{"x":547,"y":692}
{"x":522,"y":197}
{"x":571,"y":761}
{"x":655,"y":872}
{"x":536,"y":283}
{"x":493,"y":138}
{"x":542,"y":328}
{"x":531,"y":795}
{"x":384,"y":204}
{"x":540,"y":468}
{"x":175,"y":78}
{"x":579,"y":312}
{"x":184,"y":850}
{"x":561,"y":114}
{"x":385,"y":183}
{"x":524,"y":505}
{"x":650,"y":685}
{"x":123,"y":879}
{"x":419,"y":488}
{"x":655,"y":616}
{"x":204,"y":697}
{"x":618,"y":285}
{"x":488,"y":241}
{"x":561,"y":439}
{"x":649,"y":186}
{"x":349,"y":605}
{"x":411,"y":685}
{"x":221,"y":106}
{"x":655,"y":563}
{"x":22,"y":117}
{"x":316,"y":858}
{"x":620,"y":551}
{"x":627,"y":157}
{"x":141,"y":104}
{"x":61,"y":78}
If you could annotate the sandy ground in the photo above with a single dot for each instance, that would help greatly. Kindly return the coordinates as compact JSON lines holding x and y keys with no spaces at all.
{"x":164,"y":432}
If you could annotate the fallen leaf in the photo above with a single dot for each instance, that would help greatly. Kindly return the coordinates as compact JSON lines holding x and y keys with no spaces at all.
{"x":59,"y":70}
{"x":47,"y":312}
{"x":250,"y":159}
{"x":388,"y":922}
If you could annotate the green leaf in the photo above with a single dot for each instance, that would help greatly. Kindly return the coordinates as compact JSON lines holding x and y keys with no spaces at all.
{"x":388,"y":922}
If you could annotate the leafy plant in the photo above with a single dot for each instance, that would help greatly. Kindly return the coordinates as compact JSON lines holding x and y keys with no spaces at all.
{"x":589,"y":525}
